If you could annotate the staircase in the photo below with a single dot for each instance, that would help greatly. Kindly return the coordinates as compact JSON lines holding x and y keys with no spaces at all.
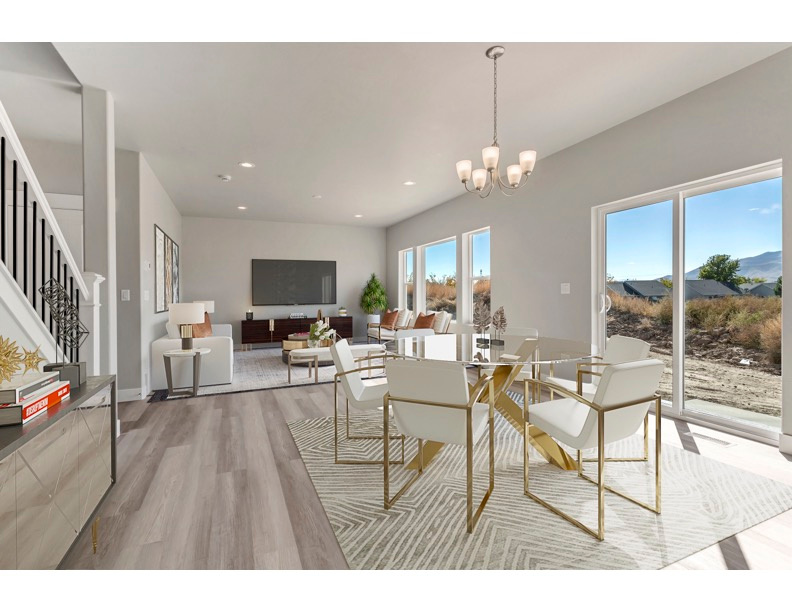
{"x":33,"y":252}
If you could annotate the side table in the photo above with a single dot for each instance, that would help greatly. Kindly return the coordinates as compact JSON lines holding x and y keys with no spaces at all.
{"x":196,"y":357}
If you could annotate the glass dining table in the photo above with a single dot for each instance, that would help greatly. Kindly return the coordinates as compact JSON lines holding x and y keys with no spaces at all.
{"x":504,"y":358}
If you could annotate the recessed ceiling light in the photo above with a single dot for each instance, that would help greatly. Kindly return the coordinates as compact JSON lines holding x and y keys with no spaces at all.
{"x":224,"y":177}
{"x":242,"y":207}
{"x":316,"y":197}
{"x":409,"y":183}
{"x":247,"y":164}
{"x":358,"y":216}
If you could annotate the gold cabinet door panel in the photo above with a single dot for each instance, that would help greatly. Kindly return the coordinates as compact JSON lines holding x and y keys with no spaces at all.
{"x":47,"y":495}
{"x":7,"y":514}
{"x":94,"y":438}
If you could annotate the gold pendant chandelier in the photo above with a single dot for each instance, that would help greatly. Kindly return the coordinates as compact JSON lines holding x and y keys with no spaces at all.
{"x":484,"y":179}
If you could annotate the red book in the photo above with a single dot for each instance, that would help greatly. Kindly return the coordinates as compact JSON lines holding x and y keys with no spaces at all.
{"x":51,"y":395}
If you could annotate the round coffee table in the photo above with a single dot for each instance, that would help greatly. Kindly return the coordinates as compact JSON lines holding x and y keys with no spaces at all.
{"x":196,"y":354}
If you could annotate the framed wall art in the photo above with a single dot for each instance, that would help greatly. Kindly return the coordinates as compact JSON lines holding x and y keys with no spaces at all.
{"x":166,"y":270}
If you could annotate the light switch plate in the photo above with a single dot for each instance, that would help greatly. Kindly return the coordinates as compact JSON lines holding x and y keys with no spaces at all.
{"x":566,"y":288}
{"x":146,"y":295}
{"x":125,"y":295}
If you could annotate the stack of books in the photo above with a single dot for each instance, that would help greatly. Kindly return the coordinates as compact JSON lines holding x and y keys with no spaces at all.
{"x":26,"y":397}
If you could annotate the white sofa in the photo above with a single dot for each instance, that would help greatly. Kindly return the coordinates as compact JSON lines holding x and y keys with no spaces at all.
{"x":217,"y":367}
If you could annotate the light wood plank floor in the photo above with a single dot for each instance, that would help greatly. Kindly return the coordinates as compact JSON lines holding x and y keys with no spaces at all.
{"x":217,"y":483}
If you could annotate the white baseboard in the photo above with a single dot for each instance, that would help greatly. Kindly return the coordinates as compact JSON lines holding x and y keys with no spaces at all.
{"x":129,"y":395}
{"x":785,"y":443}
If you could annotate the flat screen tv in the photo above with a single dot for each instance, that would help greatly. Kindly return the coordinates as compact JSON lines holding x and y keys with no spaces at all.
{"x":280,"y":282}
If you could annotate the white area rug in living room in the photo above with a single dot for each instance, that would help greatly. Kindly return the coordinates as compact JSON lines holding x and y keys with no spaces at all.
{"x":260,"y":369}
{"x":704,"y":501}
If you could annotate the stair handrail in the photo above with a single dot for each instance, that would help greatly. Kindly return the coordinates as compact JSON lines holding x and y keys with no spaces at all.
{"x":18,"y":152}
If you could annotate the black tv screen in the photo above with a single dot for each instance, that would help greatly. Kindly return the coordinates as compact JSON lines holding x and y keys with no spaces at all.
{"x":279,"y":282}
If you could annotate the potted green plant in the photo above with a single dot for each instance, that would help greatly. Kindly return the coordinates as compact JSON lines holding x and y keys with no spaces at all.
{"x":374,"y":299}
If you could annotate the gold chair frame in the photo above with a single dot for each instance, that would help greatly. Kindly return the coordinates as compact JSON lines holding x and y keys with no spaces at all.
{"x":350,"y":436}
{"x":599,"y":533}
{"x":483,"y":383}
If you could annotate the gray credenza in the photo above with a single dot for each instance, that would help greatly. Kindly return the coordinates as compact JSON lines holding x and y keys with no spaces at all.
{"x":54,"y":472}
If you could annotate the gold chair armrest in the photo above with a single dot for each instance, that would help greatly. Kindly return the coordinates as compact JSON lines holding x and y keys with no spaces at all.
{"x":590,"y":372}
{"x":579,"y":398}
{"x":364,"y":369}
{"x":407,"y":400}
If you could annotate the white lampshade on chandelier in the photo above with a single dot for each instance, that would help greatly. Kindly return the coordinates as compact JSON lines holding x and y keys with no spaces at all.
{"x":484,"y":179}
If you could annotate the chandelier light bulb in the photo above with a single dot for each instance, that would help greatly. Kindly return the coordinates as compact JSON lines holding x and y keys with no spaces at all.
{"x":527,"y":161}
{"x":479,"y":178}
{"x":464,"y":168}
{"x":513,"y":174}
{"x":490,"y":156}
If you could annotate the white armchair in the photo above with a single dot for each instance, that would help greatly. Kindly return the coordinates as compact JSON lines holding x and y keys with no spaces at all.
{"x":619,"y":407}
{"x":431,"y":400}
{"x":364,"y":394}
{"x":619,"y":349}
{"x":217,"y":367}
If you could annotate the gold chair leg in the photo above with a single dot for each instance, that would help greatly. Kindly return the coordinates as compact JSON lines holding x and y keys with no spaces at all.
{"x":601,"y":476}
{"x":630,"y":459}
{"x":388,"y":501}
{"x":335,"y":438}
{"x":95,"y":534}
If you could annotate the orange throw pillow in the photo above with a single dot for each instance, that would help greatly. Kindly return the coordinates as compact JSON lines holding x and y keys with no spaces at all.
{"x":203,"y":330}
{"x":424,"y":321}
{"x":389,"y":319}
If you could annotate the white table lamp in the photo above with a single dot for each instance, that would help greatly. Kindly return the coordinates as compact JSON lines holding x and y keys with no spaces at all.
{"x":208,"y":305}
{"x":185,"y":315}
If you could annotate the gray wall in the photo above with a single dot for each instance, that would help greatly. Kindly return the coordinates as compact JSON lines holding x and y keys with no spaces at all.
{"x":156,"y":207}
{"x":58,"y":165}
{"x":128,"y":268}
{"x":217,"y":254}
{"x":542,"y":236}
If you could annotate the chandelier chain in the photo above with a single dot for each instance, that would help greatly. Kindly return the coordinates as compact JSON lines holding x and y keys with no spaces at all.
{"x":495,"y":95}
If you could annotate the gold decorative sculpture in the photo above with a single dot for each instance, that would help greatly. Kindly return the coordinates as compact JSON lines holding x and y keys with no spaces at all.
{"x":31,"y":360}
{"x":10,"y":359}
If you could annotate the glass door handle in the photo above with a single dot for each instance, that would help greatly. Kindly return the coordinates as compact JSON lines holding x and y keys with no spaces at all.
{"x":608,"y":303}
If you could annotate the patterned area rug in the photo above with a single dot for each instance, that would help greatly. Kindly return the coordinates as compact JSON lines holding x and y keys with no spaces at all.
{"x":259,"y":369}
{"x":704,"y":501}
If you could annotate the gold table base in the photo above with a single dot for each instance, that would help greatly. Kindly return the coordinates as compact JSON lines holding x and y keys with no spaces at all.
{"x":508,"y":408}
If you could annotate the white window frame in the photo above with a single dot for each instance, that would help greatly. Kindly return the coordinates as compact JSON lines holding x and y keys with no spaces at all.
{"x":469,"y":277}
{"x":403,"y":276}
{"x":677,"y":194}
{"x":420,"y":260}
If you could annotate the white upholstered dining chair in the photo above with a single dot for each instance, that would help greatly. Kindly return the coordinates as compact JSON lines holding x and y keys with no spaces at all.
{"x":431,"y":400}
{"x":363,"y":394}
{"x":619,"y":406}
{"x":618,"y":349}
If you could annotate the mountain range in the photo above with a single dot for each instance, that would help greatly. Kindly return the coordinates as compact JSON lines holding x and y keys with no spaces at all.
{"x":767,"y":265}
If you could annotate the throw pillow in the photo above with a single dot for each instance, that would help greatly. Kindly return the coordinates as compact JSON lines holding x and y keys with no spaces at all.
{"x":440,"y":320}
{"x":203,"y":330}
{"x":404,"y":318}
{"x":424,"y":321}
{"x":389,"y":319}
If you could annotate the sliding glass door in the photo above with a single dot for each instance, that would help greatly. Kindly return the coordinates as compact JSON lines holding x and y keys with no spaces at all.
{"x":696,"y":272}
{"x":639,"y":263}
{"x":733,"y":304}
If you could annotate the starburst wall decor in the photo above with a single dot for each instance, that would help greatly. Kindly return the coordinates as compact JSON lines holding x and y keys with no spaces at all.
{"x":10,"y":359}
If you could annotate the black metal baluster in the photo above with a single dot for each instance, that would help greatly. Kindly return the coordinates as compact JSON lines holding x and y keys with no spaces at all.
{"x":33,"y":257}
{"x":14,"y":218}
{"x":65,"y":284}
{"x":57,"y":325}
{"x":24,"y":238}
{"x":71,"y":297}
{"x":43,"y":264}
{"x":51,"y":257}
{"x":2,"y":200}
{"x":77,"y":306}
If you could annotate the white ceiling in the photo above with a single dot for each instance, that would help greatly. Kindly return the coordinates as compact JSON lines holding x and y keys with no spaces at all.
{"x":352,"y":122}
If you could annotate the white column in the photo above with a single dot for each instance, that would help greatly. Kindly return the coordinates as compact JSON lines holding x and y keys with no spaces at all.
{"x":100,"y":215}
{"x":90,"y":308}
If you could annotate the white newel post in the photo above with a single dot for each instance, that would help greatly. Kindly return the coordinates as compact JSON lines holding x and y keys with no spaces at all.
{"x":90,"y":315}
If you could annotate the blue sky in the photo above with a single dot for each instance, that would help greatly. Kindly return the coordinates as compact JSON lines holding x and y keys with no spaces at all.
{"x":441,"y":258}
{"x":741,"y":222}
